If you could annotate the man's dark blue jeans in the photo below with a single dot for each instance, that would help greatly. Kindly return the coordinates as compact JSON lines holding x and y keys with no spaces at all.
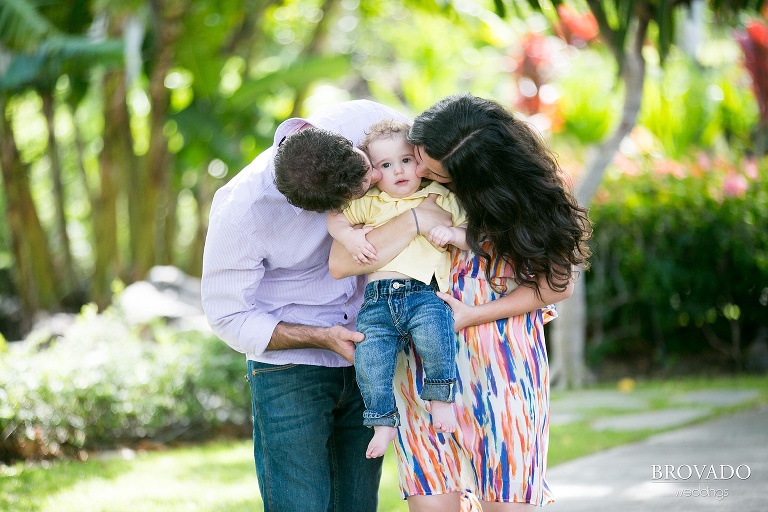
{"x":308,"y":440}
{"x":393,"y":312}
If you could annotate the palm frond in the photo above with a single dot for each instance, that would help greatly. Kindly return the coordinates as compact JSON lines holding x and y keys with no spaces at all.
{"x":56,"y":56}
{"x":22,"y":26}
{"x":108,"y":51}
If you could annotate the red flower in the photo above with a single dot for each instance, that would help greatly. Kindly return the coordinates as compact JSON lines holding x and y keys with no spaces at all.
{"x":758,"y":32}
{"x":576,"y":29}
{"x":754,"y":44}
{"x":532,"y":66}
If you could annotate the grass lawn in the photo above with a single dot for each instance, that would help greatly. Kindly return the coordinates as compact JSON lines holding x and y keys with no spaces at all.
{"x":219,"y":476}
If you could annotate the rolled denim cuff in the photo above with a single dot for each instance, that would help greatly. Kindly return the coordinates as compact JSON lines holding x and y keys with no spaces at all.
{"x":440,"y":390}
{"x":371,"y":419}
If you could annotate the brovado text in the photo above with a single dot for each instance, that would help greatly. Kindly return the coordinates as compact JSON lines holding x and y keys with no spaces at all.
{"x":671,"y":473}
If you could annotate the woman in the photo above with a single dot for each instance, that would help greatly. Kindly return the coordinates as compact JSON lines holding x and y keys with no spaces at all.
{"x":526,"y":233}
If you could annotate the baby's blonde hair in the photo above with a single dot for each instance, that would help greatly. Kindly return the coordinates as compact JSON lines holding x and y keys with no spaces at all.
{"x":384,"y":129}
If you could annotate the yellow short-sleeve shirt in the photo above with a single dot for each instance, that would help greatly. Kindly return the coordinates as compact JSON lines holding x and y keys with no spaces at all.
{"x":420,"y":259}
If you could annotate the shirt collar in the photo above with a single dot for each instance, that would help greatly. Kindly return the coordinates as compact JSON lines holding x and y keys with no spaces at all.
{"x":431,"y":187}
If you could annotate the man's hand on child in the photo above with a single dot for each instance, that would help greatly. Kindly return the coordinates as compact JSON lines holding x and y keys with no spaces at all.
{"x":343,"y":341}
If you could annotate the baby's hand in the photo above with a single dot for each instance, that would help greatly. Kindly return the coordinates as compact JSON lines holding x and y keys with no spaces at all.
{"x":358,"y":246}
{"x":440,"y":236}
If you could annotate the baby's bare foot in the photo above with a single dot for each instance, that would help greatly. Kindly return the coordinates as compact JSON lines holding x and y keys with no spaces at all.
{"x":444,"y":417}
{"x":382,"y":436}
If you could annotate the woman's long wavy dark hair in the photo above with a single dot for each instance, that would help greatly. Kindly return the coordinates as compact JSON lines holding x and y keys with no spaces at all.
{"x":511,"y":187}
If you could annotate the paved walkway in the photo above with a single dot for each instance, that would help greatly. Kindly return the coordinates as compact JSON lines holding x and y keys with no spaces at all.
{"x":720,"y":465}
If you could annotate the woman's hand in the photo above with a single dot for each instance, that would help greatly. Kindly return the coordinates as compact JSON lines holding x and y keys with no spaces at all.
{"x":519,"y":301}
{"x":462,"y":313}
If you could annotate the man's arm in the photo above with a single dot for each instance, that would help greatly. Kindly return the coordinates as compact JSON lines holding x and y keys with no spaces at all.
{"x":232,"y":272}
{"x":335,"y":338}
{"x":390,"y":239}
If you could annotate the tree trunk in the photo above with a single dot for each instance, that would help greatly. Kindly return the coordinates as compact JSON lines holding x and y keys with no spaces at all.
{"x":133,"y":179}
{"x":568,"y":339}
{"x":59,"y":196}
{"x":568,"y":336}
{"x":169,"y":211}
{"x":169,"y":25}
{"x":36,"y":280}
{"x":204,"y":197}
{"x":115,"y":164}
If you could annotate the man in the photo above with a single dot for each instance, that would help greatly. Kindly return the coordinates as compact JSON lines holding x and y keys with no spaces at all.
{"x":267,"y":292}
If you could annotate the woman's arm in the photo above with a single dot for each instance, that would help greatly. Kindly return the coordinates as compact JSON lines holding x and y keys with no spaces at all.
{"x":521,"y":300}
{"x":389,"y":239}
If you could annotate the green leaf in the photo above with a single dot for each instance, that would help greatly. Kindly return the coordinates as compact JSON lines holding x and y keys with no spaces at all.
{"x":535,"y":5}
{"x":666,"y":23}
{"x":21,"y":25}
{"x":501,"y":9}
{"x":294,"y":76}
{"x":625,"y":10}
{"x":23,"y":71}
{"x":201,"y":124}
{"x":54,"y":56}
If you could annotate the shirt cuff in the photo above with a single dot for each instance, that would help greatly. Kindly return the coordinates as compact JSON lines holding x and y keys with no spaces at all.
{"x":256,"y":333}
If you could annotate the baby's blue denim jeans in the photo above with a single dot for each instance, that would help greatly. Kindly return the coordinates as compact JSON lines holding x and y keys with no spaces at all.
{"x":393,"y":312}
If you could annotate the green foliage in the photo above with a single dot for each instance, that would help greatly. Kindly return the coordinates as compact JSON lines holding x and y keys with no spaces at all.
{"x":21,"y":24}
{"x":680,"y":259}
{"x":676,"y":107}
{"x":737,"y":114}
{"x":589,"y":105}
{"x":686,"y":106}
{"x":42,"y":50}
{"x":101,"y":386}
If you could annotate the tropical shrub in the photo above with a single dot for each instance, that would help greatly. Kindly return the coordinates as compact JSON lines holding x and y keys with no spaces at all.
{"x":680,"y":261}
{"x":101,"y":385}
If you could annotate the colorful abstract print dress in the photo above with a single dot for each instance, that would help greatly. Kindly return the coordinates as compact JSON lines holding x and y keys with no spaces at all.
{"x":499,"y":453}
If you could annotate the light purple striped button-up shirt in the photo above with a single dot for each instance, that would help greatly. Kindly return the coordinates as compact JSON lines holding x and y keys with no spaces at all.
{"x":266,"y":261}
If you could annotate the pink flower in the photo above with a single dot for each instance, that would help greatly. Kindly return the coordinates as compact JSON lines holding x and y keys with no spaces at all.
{"x":670,"y":167}
{"x":703,"y":160}
{"x":750,"y":169}
{"x":735,"y":185}
{"x":626,"y":165}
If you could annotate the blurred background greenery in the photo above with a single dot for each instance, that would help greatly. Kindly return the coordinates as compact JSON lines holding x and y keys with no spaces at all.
{"x":122,"y":118}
